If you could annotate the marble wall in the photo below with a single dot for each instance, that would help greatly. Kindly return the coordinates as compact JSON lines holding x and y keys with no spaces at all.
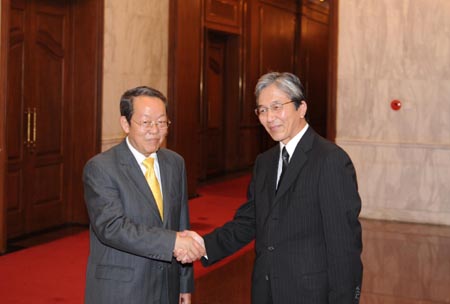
{"x":135,"y":53}
{"x":397,"y":49}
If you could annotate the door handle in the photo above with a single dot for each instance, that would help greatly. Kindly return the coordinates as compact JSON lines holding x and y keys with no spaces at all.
{"x":28,"y":115}
{"x":34,"y":128}
{"x":30,"y":142}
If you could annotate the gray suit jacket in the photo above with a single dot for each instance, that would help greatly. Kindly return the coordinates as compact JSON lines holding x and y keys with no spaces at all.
{"x":307,"y":234}
{"x":131,"y":259}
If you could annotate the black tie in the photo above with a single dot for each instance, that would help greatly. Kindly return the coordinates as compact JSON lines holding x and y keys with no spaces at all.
{"x":285,"y":158}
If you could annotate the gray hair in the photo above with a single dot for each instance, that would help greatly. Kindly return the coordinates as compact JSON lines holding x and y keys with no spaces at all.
{"x":286,"y":82}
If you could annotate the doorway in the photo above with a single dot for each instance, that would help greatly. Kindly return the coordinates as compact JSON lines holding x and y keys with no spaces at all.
{"x":50,"y":45}
{"x":220,"y":107}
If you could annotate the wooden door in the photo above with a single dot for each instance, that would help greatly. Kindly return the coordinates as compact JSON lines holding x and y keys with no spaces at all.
{"x":214,"y":107}
{"x":37,"y":104}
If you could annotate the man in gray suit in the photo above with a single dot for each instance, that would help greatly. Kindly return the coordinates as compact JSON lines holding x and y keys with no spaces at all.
{"x":302,"y":209}
{"x":135,"y":221}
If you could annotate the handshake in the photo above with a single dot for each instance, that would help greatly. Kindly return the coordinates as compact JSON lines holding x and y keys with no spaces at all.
{"x":189,"y":247}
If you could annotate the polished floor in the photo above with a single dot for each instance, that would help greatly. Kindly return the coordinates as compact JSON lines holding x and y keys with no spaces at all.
{"x":403,"y":263}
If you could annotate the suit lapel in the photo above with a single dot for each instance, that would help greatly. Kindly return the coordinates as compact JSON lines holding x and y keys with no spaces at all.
{"x":133,"y":171}
{"x":165,"y":171}
{"x":270,"y":182}
{"x":271,"y":177}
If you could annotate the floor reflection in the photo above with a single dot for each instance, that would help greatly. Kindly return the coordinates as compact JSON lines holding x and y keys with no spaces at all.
{"x":405,"y":263}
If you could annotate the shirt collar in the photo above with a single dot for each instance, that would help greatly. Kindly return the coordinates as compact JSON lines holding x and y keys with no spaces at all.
{"x":138,"y":155}
{"x":292,"y":144}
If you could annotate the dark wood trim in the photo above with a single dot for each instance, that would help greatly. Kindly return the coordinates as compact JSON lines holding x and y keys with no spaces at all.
{"x":184,"y":92}
{"x":5,"y":5}
{"x":332,"y":70}
{"x":290,"y":5}
{"x":88,"y":20}
{"x":223,"y":16}
{"x":100,"y":6}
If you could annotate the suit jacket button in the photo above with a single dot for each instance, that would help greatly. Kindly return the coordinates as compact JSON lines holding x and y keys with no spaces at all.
{"x":266,"y":277}
{"x":271,"y":248}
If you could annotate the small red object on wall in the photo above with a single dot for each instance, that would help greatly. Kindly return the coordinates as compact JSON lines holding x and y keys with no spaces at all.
{"x":396,"y":105}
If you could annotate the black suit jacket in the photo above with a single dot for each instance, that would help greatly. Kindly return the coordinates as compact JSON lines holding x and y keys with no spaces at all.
{"x":307,"y":234}
{"x":131,"y":259}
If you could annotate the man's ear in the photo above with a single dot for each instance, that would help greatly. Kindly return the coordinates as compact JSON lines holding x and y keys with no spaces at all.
{"x":124,"y":124}
{"x":303,"y":107}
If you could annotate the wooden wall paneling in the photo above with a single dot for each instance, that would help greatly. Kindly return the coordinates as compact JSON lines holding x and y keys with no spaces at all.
{"x":277,"y":30}
{"x":224,"y":15}
{"x":4,"y":29}
{"x":314,"y":54}
{"x":290,"y":5}
{"x":214,"y":105}
{"x":318,"y":5}
{"x":88,"y":18}
{"x":185,"y":51}
{"x":277,"y":39}
{"x":250,"y":130}
{"x":269,"y":35}
{"x":233,"y":95}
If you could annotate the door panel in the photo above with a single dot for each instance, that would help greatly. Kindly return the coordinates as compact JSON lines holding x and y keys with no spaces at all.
{"x":14,"y":108}
{"x":16,"y":122}
{"x":38,"y":109}
{"x":46,"y":206}
{"x":214,"y":127}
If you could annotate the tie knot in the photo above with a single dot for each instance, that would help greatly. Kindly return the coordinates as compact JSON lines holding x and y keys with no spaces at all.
{"x":148,"y":163}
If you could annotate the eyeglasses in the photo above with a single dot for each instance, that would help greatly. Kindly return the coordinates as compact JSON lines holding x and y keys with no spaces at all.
{"x":275,"y":108}
{"x":148,"y":124}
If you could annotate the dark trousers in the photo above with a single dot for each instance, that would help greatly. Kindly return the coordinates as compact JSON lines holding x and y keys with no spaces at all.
{"x":264,"y":295}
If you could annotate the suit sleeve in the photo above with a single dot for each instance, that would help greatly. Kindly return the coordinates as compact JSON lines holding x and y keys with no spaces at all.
{"x":340,"y":206}
{"x":186,"y":270}
{"x":110,"y":223}
{"x":234,"y":234}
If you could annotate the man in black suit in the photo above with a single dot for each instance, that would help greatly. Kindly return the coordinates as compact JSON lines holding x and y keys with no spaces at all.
{"x":136,"y":212}
{"x":302,"y":209}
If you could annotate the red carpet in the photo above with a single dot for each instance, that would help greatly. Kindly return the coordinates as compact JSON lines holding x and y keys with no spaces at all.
{"x":55,"y":272}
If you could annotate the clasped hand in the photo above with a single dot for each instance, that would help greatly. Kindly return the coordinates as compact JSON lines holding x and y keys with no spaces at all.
{"x":189,"y":247}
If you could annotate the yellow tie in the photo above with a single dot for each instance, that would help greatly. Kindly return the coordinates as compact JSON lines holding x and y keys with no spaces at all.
{"x":153,"y":183}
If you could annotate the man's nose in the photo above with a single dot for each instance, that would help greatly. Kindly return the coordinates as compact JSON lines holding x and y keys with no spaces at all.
{"x":270,"y":115}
